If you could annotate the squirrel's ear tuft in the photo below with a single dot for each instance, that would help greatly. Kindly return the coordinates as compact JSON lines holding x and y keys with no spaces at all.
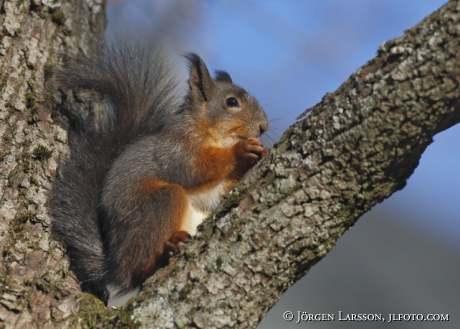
{"x":200,"y":81}
{"x":223,"y":76}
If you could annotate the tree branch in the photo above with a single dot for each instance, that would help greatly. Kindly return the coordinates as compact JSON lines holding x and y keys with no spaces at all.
{"x":357,"y":147}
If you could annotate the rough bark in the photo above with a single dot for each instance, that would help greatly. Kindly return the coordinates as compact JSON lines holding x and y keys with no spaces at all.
{"x":35,"y":288}
{"x":356,"y":148}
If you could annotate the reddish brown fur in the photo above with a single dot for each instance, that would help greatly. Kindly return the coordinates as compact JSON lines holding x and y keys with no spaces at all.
{"x":217,"y":162}
{"x":149,"y":185}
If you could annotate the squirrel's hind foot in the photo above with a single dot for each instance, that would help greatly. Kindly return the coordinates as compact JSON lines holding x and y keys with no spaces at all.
{"x":175,"y":242}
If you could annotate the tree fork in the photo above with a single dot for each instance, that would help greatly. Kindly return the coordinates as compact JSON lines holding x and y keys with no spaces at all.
{"x":356,"y":147}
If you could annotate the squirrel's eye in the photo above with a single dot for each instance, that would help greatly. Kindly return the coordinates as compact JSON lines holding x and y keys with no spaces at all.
{"x":232,"y":102}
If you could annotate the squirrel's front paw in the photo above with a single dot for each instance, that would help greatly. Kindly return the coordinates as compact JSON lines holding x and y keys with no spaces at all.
{"x":264,"y":152}
{"x":172,"y":246}
{"x":250,"y":148}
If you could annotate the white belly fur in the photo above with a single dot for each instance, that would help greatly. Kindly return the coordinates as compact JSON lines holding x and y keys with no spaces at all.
{"x":200,"y":206}
{"x":193,"y":218}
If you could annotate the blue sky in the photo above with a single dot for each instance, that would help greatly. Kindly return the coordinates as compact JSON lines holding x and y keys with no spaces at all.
{"x":289,"y":54}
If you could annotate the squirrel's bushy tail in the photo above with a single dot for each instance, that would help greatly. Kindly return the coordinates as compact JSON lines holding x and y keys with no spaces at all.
{"x":140,"y":95}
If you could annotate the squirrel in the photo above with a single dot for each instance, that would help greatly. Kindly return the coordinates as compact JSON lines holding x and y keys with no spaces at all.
{"x":143,"y":176}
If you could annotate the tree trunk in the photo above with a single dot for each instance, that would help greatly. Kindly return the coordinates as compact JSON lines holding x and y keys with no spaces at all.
{"x":356,"y":148}
{"x":36,"y":290}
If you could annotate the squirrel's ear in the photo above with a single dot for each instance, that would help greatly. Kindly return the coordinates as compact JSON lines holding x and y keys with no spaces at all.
{"x":223,"y":76}
{"x":200,"y":81}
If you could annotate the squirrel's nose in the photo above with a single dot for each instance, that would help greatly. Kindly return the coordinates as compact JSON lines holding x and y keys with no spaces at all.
{"x":263,"y":127}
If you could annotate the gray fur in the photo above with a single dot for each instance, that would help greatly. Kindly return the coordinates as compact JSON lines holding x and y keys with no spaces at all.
{"x":97,"y":209}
